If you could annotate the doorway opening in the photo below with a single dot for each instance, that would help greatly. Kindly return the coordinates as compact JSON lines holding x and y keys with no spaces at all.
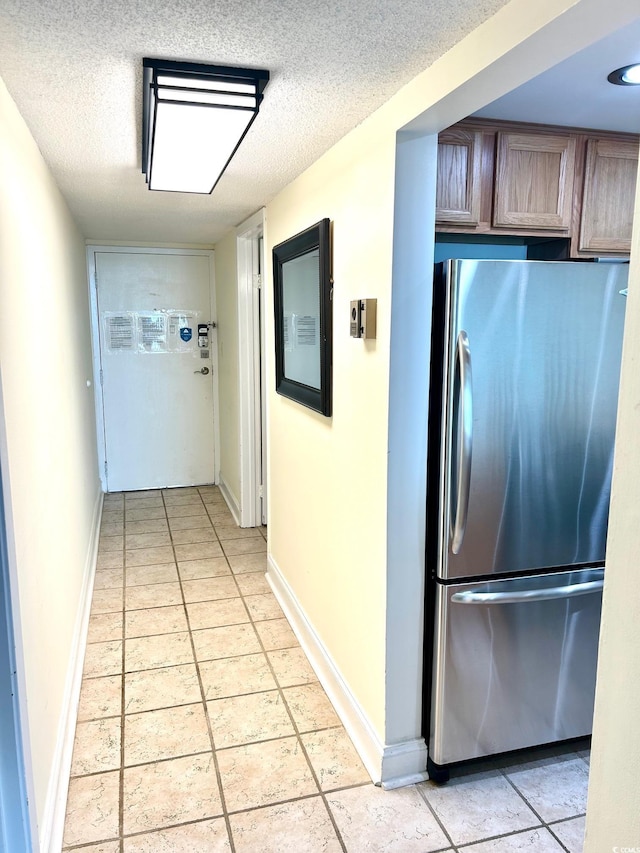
{"x":251,"y":319}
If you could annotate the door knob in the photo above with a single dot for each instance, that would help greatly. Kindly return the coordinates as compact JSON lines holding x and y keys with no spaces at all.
{"x":204,"y":371}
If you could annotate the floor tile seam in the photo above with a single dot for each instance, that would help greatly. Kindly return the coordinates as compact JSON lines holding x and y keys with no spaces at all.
{"x":128,"y":835}
{"x":267,"y":690}
{"x":560,"y":820}
{"x":201,"y":660}
{"x":229,"y":625}
{"x":83,"y":844}
{"x":104,"y":613}
{"x":97,"y":719}
{"x":231,"y":525}
{"x":207,"y":577}
{"x":244,"y":553}
{"x":269,"y":619}
{"x":161,"y":666}
{"x":184,"y":561}
{"x":117,"y":768}
{"x":183,"y":500}
{"x":464,"y":845}
{"x":136,"y":585}
{"x":561,"y":843}
{"x":202,"y":517}
{"x":226,"y":748}
{"x":161,"y":708}
{"x":305,"y":753}
{"x":301,"y":798}
{"x":529,"y":805}
{"x":97,"y":642}
{"x":225,"y":625}
{"x":221,"y":793}
{"x":203,"y":600}
{"x":160,"y":634}
{"x":146,"y":510}
{"x":164,"y":759}
{"x":130,"y":565}
{"x":423,"y":794}
{"x":243,"y":695}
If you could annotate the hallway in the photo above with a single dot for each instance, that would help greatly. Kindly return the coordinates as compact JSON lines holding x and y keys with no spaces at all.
{"x":202,"y":726}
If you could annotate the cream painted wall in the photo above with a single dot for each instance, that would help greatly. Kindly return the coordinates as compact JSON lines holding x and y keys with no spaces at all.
{"x":226,"y":266}
{"x":47,"y":433}
{"x":613,"y":812}
{"x":344,"y":533}
{"x":327,"y":477}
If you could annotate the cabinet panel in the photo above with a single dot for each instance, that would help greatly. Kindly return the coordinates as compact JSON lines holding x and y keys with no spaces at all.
{"x":534,"y":181}
{"x":458,"y":181}
{"x":609,"y":195}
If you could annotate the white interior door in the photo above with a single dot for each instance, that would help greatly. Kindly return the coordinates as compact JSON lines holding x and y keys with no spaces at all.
{"x":157,"y":371}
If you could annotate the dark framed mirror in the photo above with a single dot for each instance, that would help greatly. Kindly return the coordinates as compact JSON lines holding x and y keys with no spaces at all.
{"x":303,"y":322}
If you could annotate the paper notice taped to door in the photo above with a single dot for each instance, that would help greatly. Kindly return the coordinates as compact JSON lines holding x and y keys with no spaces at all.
{"x":119,"y":331}
{"x":152,"y":331}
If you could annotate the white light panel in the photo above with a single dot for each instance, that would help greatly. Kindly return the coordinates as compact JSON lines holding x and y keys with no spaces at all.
{"x":192,"y":145}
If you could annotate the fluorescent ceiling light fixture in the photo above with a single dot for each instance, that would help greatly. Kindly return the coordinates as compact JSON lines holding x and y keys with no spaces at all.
{"x":628,"y":75}
{"x":194,"y":117}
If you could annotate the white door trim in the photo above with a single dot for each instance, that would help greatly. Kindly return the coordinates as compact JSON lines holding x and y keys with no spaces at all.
{"x":25,"y":822}
{"x":251,"y":416}
{"x":95,"y":343}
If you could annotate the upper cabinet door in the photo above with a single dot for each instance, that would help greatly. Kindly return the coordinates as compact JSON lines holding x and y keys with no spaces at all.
{"x":458,"y":182}
{"x":609,"y":195}
{"x":534,"y":181}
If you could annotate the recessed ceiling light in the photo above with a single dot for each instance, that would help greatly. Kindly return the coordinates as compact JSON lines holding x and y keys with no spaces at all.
{"x":629,"y":75}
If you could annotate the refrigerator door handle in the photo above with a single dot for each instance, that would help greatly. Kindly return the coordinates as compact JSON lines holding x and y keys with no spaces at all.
{"x":570,"y":591}
{"x":463,"y":425}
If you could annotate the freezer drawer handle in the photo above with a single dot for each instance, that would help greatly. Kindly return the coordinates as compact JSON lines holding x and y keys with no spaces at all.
{"x":464,"y":440}
{"x":570,"y":591}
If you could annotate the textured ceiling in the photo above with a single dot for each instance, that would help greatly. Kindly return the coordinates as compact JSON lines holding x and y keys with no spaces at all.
{"x":74,"y":70}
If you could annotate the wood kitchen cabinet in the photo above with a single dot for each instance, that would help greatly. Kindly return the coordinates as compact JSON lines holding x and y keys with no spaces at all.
{"x":512,"y":179}
{"x":608,"y":196}
{"x":534,"y":181}
{"x":458,"y":182}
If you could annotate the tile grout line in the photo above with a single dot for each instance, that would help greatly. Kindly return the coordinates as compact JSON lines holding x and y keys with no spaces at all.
{"x":299,"y":739}
{"x":214,"y":757}
{"x":529,"y":805}
{"x":423,"y":794}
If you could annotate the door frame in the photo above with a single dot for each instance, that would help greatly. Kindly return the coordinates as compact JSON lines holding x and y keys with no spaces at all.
{"x":251,"y":370}
{"x":95,"y":343}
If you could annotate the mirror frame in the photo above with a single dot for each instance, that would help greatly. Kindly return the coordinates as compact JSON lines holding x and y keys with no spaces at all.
{"x":317,"y":237}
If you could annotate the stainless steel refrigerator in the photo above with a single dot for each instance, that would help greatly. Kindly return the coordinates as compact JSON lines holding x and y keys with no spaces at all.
{"x":524,"y":387}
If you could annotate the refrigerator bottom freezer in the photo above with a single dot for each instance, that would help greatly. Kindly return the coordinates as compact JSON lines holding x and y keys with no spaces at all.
{"x":514,"y":663}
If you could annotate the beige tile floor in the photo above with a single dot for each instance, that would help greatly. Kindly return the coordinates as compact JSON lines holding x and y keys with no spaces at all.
{"x":202,"y":727}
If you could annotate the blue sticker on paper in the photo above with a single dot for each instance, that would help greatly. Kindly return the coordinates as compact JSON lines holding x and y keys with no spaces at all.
{"x":186,"y":333}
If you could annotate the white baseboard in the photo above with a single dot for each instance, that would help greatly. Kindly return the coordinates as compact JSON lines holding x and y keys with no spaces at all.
{"x":52,"y":828}
{"x":389,"y":765}
{"x":231,"y":499}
